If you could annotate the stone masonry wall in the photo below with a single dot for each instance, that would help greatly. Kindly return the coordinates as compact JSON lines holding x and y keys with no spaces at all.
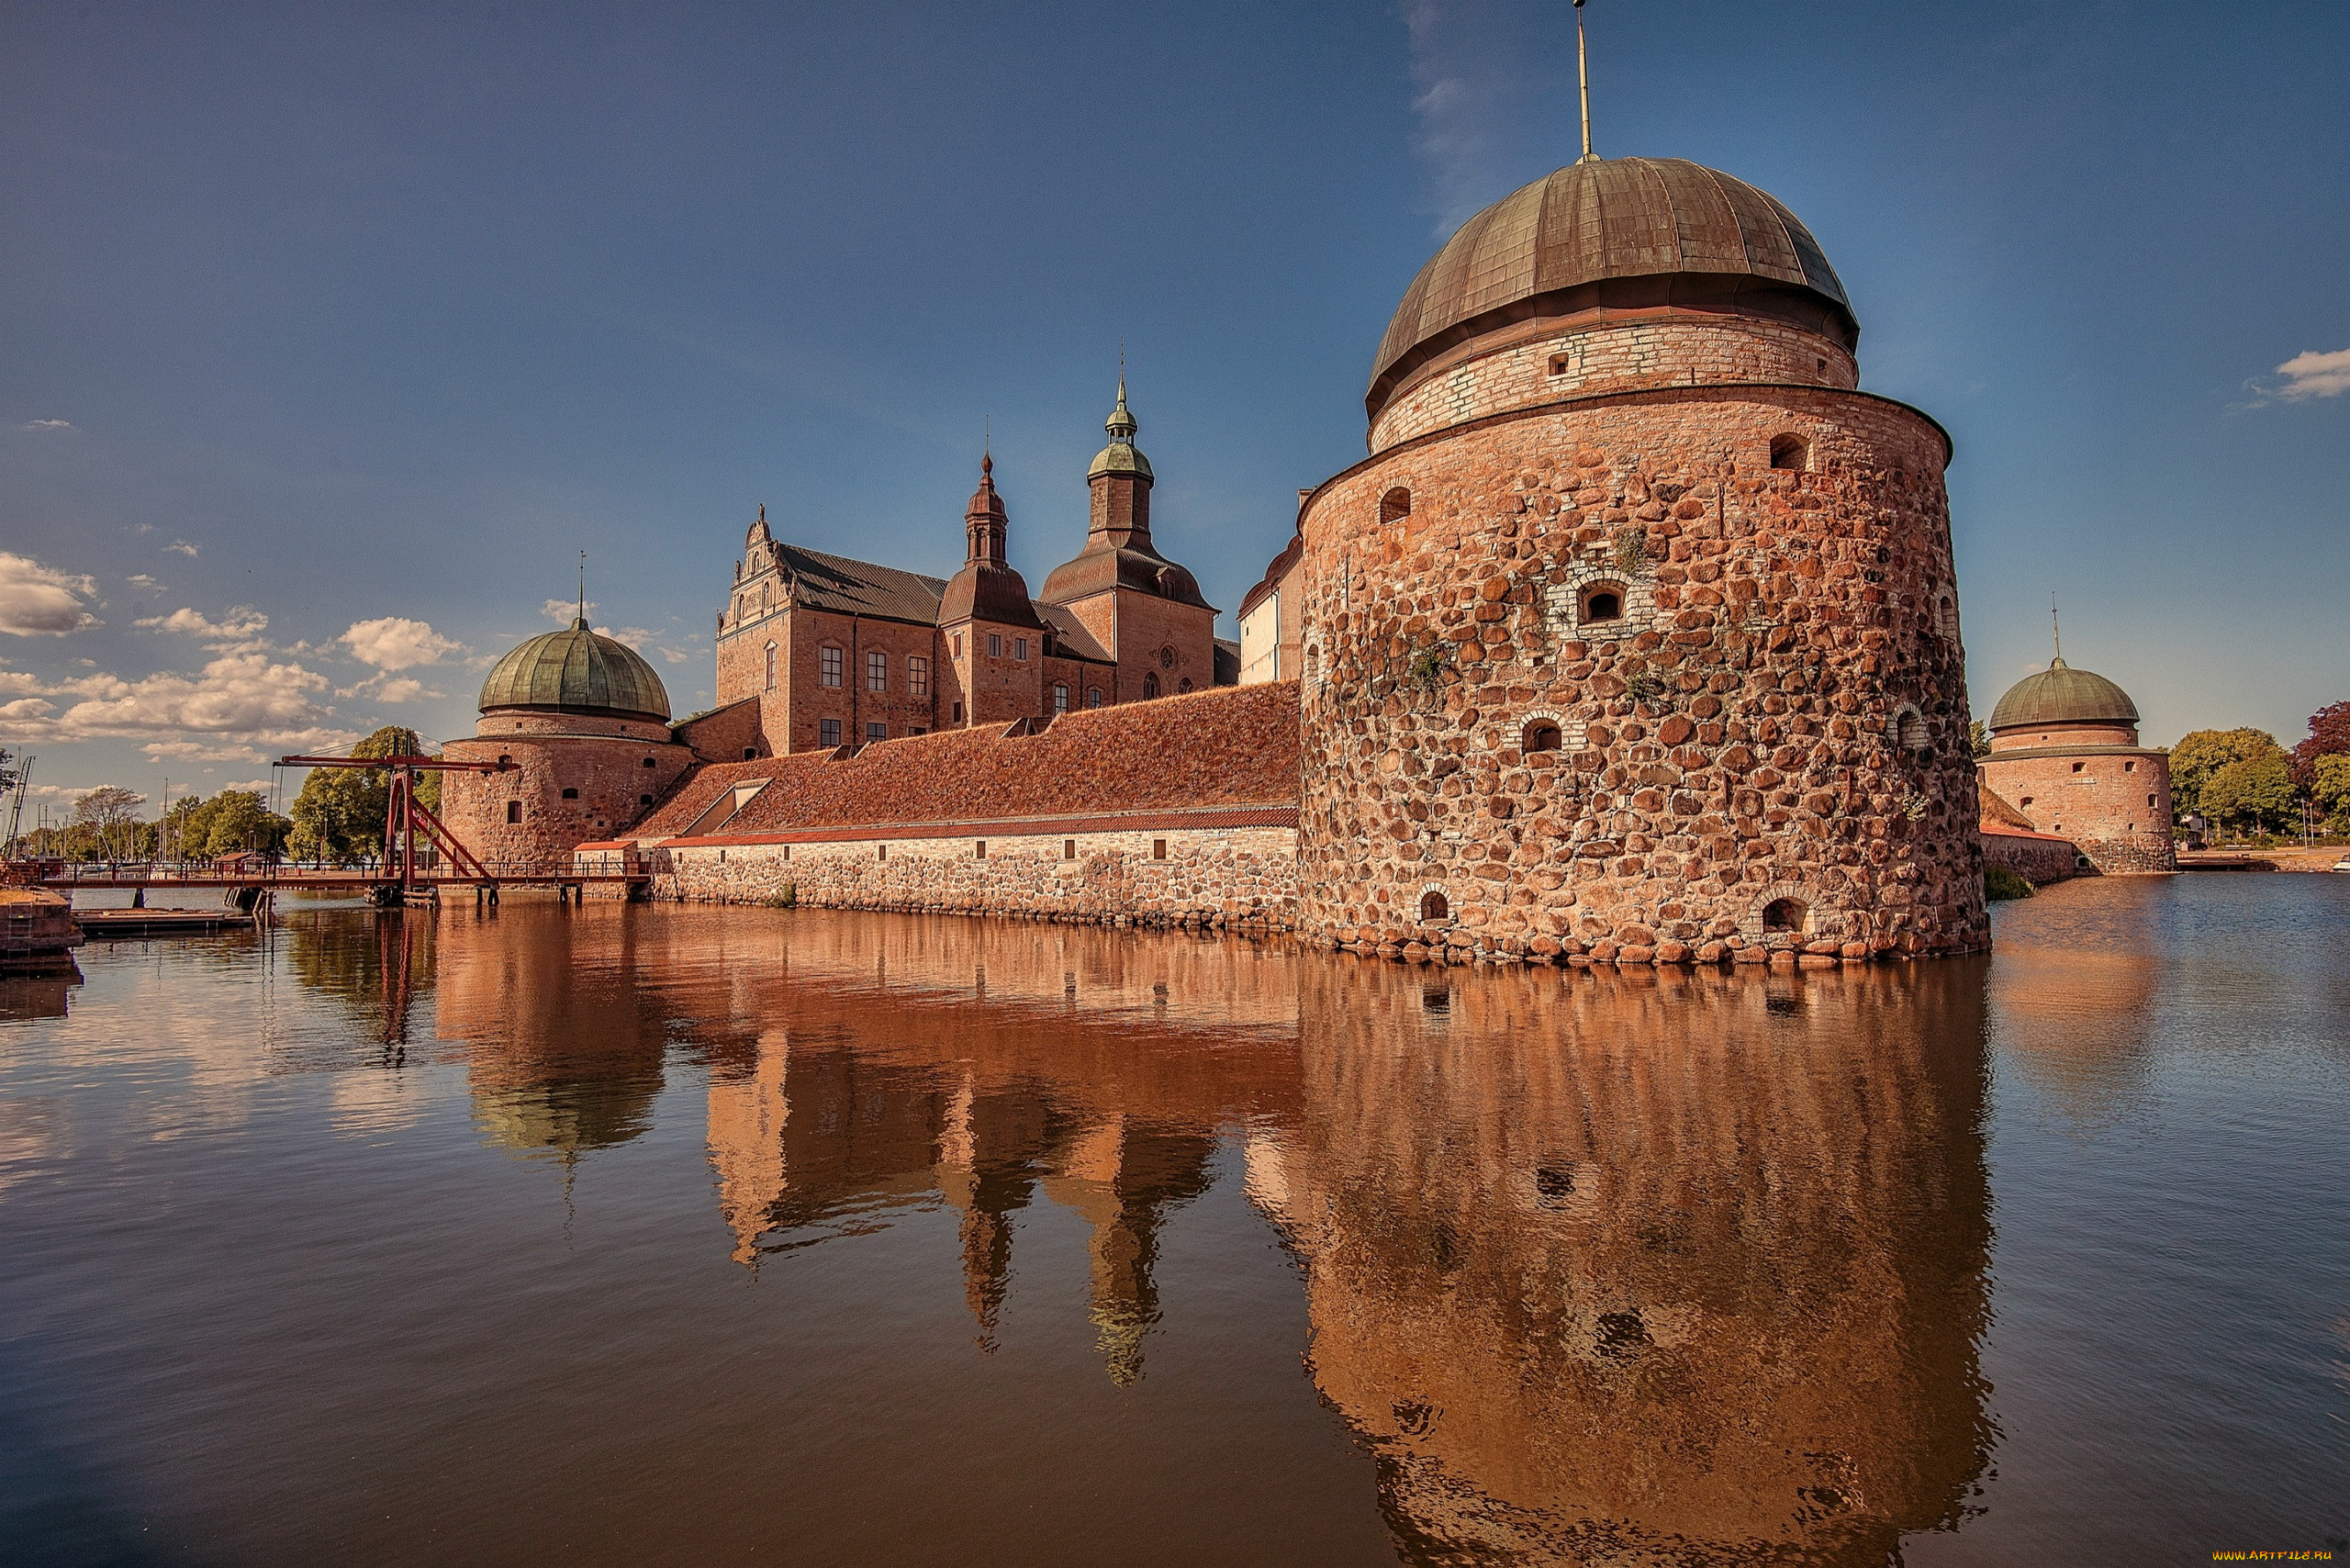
{"x":1237,"y":877}
{"x":1782,"y":729}
{"x":617,"y":779}
{"x":2038,"y":859}
{"x":1541,"y":362}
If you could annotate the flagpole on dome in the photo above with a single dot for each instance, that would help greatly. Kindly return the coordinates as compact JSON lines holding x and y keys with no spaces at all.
{"x":1582,"y":79}
{"x":583,"y":586}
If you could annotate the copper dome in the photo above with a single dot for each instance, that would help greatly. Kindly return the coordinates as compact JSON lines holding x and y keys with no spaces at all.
{"x":2062,"y":695}
{"x":1626,"y":234}
{"x":576,"y":671}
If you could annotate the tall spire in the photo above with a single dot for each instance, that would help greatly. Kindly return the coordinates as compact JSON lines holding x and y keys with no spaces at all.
{"x":581,"y":624}
{"x":1582,"y":79}
{"x":983,"y":521}
{"x":2057,"y":632}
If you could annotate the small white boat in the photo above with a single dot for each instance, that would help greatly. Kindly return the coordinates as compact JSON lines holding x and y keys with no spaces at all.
{"x":2343,"y":864}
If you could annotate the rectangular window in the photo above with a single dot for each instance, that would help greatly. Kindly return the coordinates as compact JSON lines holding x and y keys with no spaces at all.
{"x":917,"y":729}
{"x":917,"y":675}
{"x":513,"y":811}
{"x":881,"y":852}
{"x":995,"y":646}
{"x":828,"y":730}
{"x":1020,"y":647}
{"x":1060,"y":699}
{"x":1069,"y":849}
{"x":959,"y":644}
{"x":958,"y":712}
{"x":1158,"y":849}
{"x":876,"y":731}
{"x":877,"y":672}
{"x":979,"y":849}
{"x":1093,"y":697}
{"x":828,"y":666}
{"x":787,"y":852}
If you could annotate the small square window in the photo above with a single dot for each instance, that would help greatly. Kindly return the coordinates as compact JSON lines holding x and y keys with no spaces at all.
{"x":2079,"y":766}
{"x":828,"y":730}
{"x":876,"y":731}
{"x":571,"y":794}
{"x":645,"y":799}
{"x":2129,"y":767}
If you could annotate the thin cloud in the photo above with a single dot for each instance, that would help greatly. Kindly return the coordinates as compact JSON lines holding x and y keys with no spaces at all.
{"x":51,"y":426}
{"x":37,"y":601}
{"x":2310,"y":374}
{"x":239,"y":629}
{"x":564,"y":611}
{"x":201,"y":751}
{"x":145,"y":584}
{"x":181,"y":547}
{"x":1468,"y":78}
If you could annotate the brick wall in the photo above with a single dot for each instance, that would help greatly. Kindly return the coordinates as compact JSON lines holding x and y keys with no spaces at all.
{"x":724,"y":734}
{"x":1737,"y":745}
{"x":2111,"y":799}
{"x":609,"y":772}
{"x":1541,"y":362}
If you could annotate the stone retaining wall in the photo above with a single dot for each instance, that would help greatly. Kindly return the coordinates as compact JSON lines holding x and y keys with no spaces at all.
{"x":2037,"y":858}
{"x":1238,"y":877}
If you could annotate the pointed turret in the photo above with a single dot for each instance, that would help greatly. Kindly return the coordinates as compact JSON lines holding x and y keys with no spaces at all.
{"x":987,"y":588}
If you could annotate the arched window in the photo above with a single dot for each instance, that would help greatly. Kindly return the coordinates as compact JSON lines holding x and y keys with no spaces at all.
{"x":1184,"y":684}
{"x":1395,"y":504}
{"x":1435,"y":906}
{"x":652,"y":762}
{"x":1602,"y":601}
{"x":645,"y":799}
{"x":1093,"y":697}
{"x":750,"y":753}
{"x":1789,"y":452}
{"x":770,"y":666}
{"x":1784,"y":914}
{"x":1541,"y":735}
{"x":1150,"y":684}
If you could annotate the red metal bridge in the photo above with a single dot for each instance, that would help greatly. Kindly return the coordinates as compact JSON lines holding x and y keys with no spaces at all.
{"x":420,"y":855}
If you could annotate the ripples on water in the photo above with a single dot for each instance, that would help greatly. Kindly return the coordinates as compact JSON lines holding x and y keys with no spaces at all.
{"x":663,"y":1235}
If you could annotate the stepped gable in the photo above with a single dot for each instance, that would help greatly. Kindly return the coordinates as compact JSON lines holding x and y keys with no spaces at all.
{"x":1228,"y":748}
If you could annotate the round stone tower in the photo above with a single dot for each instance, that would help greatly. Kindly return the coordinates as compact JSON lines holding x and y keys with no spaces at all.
{"x":2065,"y":752}
{"x":585,"y":723}
{"x":1637,"y":634}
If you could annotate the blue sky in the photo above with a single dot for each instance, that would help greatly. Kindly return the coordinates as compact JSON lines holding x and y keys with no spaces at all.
{"x":335,"y":334}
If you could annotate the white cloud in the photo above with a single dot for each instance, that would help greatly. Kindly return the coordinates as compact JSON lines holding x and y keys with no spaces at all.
{"x":180,"y":548}
{"x":22,"y":712}
{"x":564,"y":611}
{"x":258,"y":785}
{"x":234,"y":694}
{"x":674,"y":656}
{"x":403,"y":689}
{"x":2310,"y":374}
{"x":38,"y":602}
{"x":394,"y":642}
{"x":52,"y":426}
{"x":144,"y":583}
{"x":239,"y":629}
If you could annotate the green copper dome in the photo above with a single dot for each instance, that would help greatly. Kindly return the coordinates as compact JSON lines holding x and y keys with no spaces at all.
{"x":1121,"y":457}
{"x":576,"y":671}
{"x":2062,"y":695}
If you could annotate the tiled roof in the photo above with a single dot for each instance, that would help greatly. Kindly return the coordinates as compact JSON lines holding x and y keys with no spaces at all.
{"x":861,"y":588}
{"x":1226,"y":747}
{"x":1075,"y":641}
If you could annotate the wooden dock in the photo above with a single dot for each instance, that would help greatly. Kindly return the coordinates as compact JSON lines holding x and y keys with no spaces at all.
{"x":158,"y":922}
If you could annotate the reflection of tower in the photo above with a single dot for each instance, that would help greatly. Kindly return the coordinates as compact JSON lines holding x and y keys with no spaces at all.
{"x":563,"y":1056}
{"x":1692,"y":1270}
{"x":1124,"y":1178}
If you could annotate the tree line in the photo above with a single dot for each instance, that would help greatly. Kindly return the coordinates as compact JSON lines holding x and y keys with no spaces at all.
{"x":338,"y":818}
{"x":2244,"y":781}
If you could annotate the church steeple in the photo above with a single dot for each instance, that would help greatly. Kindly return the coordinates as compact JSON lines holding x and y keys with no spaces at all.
{"x":987,"y":588}
{"x":983,"y":521}
{"x":1120,"y":479}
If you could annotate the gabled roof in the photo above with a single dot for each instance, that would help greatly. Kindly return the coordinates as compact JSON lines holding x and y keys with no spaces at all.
{"x":1224,"y":747}
{"x":860,"y":587}
{"x":1075,"y":641}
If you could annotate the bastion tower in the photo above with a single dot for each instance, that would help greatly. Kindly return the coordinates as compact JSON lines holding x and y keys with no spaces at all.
{"x":2065,"y":752}
{"x":1636,"y":632}
{"x":584,"y":722}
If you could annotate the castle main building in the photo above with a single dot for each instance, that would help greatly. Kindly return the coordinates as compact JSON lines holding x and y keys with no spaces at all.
{"x":1634,"y":638}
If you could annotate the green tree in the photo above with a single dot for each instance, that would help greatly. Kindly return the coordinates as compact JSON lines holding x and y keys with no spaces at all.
{"x":339,"y":815}
{"x":1978,"y":740}
{"x":107,"y":826}
{"x":2330,"y":787}
{"x":2202,"y":753}
{"x":2252,"y":793}
{"x":240,"y":820}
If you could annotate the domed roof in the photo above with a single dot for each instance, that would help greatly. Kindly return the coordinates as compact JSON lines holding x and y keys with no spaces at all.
{"x":2062,"y":695}
{"x":1627,"y":233}
{"x":576,"y":671}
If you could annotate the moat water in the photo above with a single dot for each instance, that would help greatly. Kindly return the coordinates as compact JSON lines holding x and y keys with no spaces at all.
{"x":687,"y":1236}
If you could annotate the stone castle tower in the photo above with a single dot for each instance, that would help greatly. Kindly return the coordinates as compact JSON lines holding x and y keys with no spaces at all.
{"x":2064,"y":753}
{"x":1636,"y":632}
